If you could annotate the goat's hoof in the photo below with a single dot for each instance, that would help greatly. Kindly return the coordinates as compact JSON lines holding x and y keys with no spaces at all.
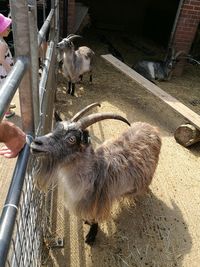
{"x":91,"y":236}
{"x":90,"y":239}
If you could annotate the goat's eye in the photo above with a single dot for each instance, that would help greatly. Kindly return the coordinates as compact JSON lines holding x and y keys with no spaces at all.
{"x":71,"y":139}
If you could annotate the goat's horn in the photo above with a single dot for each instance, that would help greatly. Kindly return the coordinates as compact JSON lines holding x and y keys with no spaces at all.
{"x":179,"y":53}
{"x":90,"y":119}
{"x":73,"y":36}
{"x":70,"y":35}
{"x":83,"y":111}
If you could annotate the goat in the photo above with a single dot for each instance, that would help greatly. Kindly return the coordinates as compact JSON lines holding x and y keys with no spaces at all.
{"x":94,"y":179}
{"x":158,"y":70}
{"x":75,"y":62}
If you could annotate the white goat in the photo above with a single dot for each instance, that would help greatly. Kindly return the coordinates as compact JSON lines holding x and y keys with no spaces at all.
{"x":93,"y":180}
{"x":75,"y":62}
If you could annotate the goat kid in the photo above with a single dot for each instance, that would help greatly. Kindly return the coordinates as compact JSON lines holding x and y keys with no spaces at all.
{"x":75,"y":62}
{"x":94,"y":179}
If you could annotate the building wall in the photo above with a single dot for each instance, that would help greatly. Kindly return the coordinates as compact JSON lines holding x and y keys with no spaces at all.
{"x":71,"y":16}
{"x":151,"y":19}
{"x":186,"y":29}
{"x":69,"y":20}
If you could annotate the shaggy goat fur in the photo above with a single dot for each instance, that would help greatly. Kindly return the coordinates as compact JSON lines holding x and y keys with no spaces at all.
{"x":94,"y":179}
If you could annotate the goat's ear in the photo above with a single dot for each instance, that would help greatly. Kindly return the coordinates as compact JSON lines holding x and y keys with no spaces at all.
{"x":57,"y":117}
{"x":85,"y":138}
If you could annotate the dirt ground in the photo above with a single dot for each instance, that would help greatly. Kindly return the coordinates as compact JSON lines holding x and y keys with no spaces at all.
{"x":162,"y":229}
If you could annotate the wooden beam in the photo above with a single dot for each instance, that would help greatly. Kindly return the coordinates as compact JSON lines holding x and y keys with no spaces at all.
{"x":187,"y":113}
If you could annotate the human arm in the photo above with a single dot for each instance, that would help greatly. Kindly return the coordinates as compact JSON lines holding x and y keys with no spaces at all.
{"x":13,"y":138}
{"x":3,"y":50}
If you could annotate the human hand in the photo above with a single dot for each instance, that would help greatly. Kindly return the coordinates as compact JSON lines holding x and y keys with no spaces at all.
{"x":10,"y":153}
{"x":14,"y":139}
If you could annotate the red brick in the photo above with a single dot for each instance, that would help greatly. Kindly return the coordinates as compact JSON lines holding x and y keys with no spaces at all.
{"x":187,"y":2}
{"x":195,"y":2}
{"x":189,"y":7}
{"x":182,"y":44}
{"x":197,"y":8}
{"x":193,"y":12}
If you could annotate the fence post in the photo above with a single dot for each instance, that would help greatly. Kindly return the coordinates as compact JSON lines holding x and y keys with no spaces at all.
{"x":19,"y":14}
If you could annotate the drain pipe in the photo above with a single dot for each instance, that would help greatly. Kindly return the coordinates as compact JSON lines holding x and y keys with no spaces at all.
{"x":175,"y":23}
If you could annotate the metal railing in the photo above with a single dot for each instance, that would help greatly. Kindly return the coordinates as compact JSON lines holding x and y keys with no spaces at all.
{"x":23,"y":217}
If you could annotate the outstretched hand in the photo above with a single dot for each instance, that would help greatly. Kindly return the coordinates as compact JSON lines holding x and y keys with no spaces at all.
{"x":13,"y":138}
{"x":9,"y":153}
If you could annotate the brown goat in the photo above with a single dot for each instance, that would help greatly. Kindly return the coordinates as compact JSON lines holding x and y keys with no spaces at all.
{"x":93,"y":180}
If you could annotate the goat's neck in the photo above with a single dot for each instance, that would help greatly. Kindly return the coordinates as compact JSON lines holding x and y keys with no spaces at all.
{"x":82,"y":163}
{"x":69,"y":62}
{"x":69,"y":54}
{"x":75,"y":176}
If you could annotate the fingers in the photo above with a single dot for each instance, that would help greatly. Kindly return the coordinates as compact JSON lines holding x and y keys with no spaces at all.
{"x":7,"y":153}
{"x":10,"y":155}
{"x":3,"y":150}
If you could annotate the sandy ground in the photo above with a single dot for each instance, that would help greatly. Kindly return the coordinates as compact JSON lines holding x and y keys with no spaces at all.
{"x":163,"y":228}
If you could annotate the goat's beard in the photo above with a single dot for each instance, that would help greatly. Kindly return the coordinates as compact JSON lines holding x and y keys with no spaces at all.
{"x":44,"y":173}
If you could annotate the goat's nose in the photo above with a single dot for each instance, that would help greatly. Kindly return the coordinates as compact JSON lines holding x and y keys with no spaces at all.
{"x":38,"y":142}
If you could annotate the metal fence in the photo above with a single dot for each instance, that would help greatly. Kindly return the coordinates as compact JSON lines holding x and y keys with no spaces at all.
{"x":24,"y":216}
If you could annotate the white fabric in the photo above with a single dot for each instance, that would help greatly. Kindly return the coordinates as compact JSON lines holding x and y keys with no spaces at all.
{"x":8,"y":58}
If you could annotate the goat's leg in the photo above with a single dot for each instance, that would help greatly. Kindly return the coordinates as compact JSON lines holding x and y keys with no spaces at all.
{"x":91,"y":236}
{"x":90,"y":77}
{"x":69,"y":87}
{"x":81,"y":78}
{"x":73,"y":89}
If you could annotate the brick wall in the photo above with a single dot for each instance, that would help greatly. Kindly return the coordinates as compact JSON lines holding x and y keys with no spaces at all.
{"x":186,"y":28}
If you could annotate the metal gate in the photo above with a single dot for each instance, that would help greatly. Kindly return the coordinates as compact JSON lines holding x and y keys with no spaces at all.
{"x":25,"y":214}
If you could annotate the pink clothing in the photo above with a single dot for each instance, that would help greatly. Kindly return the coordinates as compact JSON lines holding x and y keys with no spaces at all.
{"x":4,"y":23}
{"x":9,"y":60}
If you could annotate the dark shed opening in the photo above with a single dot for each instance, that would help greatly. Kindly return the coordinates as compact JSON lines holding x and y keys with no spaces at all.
{"x":152,"y":19}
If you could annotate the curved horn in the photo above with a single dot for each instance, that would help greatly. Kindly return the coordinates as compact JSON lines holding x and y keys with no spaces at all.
{"x":90,"y":119}
{"x":83,"y":111}
{"x":73,"y":36}
{"x":179,"y":53}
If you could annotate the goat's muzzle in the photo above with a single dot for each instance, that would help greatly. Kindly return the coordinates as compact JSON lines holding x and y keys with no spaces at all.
{"x":37,"y":148}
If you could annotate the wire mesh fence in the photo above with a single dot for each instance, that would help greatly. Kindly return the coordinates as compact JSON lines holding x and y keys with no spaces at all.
{"x":26,"y":245}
